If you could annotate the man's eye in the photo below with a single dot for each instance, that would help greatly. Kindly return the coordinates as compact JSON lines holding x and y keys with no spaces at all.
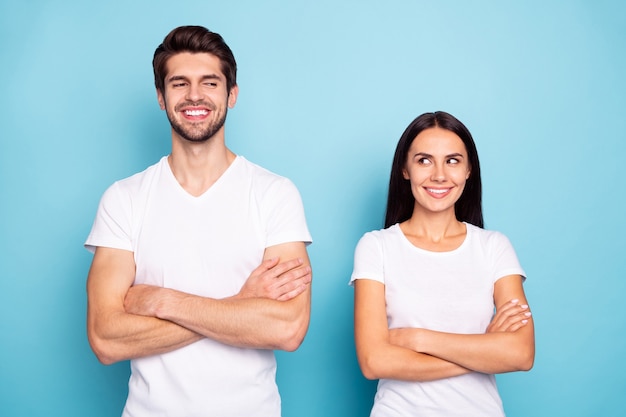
{"x":177,"y":85}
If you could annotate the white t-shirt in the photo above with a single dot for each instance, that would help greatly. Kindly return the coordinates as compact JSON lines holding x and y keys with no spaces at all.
{"x":205,"y":245}
{"x":444,"y":291}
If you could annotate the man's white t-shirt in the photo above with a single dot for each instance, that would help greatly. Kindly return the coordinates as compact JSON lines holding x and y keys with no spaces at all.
{"x":444,"y":291}
{"x":208,"y":246}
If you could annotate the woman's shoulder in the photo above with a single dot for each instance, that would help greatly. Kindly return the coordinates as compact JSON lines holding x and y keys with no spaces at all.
{"x":381,"y":237}
{"x":387,"y":232}
{"x":487,"y":236}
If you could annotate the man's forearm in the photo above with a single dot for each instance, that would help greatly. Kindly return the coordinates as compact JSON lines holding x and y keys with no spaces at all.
{"x":123,"y":336}
{"x":259,"y":323}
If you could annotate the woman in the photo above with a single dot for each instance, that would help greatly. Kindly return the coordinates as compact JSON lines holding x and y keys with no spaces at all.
{"x":426,"y":286}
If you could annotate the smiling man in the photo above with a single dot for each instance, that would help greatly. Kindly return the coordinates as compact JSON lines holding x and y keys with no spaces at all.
{"x":200,"y":267}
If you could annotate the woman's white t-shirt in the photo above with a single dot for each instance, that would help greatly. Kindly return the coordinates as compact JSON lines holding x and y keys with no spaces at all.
{"x":444,"y":291}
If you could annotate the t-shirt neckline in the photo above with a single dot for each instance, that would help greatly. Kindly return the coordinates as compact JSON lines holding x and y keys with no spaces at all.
{"x":468,"y":232}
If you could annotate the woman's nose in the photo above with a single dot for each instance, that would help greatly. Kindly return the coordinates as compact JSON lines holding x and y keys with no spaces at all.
{"x":438,"y":173}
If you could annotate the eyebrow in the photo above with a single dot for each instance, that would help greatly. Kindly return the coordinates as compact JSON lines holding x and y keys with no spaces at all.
{"x":427,"y":155}
{"x":185,"y":78}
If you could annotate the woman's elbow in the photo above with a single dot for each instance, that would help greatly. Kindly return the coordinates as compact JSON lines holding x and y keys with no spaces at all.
{"x":527,"y":361}
{"x":370,"y":366}
{"x":369,"y":373}
{"x":523,"y":359}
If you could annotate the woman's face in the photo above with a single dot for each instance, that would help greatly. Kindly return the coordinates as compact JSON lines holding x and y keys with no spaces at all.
{"x":437,"y":167}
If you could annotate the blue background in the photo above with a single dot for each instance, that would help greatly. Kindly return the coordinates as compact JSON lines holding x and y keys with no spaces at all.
{"x":327,"y":87}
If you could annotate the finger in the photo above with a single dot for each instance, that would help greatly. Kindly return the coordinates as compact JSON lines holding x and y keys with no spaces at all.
{"x":508,"y":305}
{"x":518,"y":325}
{"x":509,"y":309}
{"x":507,"y":315}
{"x":293,"y":293}
{"x":265,"y":266}
{"x":285,"y":267}
{"x":303,"y":273}
{"x":292,"y":287}
{"x":515,"y":321}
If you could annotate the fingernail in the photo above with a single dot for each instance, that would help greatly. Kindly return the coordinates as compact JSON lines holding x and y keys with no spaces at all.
{"x":524,"y":306}
{"x":528,"y":314}
{"x":524,"y":321}
{"x":515,"y":301}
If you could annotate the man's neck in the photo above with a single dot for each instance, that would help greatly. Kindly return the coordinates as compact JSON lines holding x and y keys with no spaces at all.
{"x":197,"y":166}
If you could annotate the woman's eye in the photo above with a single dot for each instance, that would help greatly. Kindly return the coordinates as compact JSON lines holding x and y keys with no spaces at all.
{"x":453,"y":161}
{"x":423,"y":161}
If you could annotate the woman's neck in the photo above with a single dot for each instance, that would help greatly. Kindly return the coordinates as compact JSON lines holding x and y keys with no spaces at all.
{"x":437,"y":232}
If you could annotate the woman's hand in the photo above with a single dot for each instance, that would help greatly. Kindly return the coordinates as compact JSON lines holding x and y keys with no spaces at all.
{"x":509,"y":317}
{"x":407,"y":338}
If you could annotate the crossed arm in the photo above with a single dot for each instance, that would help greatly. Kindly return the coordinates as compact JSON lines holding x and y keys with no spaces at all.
{"x":271,"y":311}
{"x":422,"y":355}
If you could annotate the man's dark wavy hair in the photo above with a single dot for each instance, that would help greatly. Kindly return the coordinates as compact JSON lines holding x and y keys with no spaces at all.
{"x":193,"y":39}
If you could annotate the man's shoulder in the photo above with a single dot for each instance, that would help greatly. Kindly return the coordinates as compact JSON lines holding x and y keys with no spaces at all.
{"x":136,"y":180}
{"x":256,"y":168}
{"x":259,"y":175}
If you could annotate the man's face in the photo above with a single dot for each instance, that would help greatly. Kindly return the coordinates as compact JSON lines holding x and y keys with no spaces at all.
{"x":195,"y":96}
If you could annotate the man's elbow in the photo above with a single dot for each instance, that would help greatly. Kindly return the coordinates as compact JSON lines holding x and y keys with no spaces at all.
{"x":104,"y":350}
{"x":293,"y":334}
{"x":290,"y":345}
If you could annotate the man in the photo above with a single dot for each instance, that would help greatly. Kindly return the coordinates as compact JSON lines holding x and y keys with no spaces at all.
{"x":200,"y":267}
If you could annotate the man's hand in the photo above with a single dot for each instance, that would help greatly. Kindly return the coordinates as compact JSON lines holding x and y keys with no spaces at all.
{"x":277,"y":281}
{"x":273,"y":280}
{"x":146,"y":300}
{"x":509,"y":317}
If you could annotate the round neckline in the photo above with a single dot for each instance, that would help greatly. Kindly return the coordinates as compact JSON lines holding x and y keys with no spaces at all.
{"x":468,"y":231}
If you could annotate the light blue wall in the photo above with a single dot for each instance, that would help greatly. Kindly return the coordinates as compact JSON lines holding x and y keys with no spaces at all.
{"x":327,"y":87}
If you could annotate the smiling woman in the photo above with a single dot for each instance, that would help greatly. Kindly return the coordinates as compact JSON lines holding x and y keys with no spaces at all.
{"x":437,"y":168}
{"x":426,"y":286}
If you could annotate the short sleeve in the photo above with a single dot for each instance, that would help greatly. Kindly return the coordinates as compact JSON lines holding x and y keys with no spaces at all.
{"x":286,"y":221}
{"x":368,"y":259}
{"x":505,"y":259}
{"x":112,"y":225}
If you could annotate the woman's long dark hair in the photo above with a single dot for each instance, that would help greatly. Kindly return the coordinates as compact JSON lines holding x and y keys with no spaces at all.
{"x":400,"y":201}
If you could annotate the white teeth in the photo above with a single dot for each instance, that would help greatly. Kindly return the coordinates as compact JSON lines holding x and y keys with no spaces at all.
{"x":195,"y":112}
{"x":431,"y":190}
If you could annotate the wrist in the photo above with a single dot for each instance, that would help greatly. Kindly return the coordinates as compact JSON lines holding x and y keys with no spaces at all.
{"x":164,"y":305}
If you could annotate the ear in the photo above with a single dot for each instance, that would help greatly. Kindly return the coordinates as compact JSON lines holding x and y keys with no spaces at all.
{"x":469,"y":172}
{"x":405,"y":173}
{"x":232,"y":96}
{"x":160,"y":99}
